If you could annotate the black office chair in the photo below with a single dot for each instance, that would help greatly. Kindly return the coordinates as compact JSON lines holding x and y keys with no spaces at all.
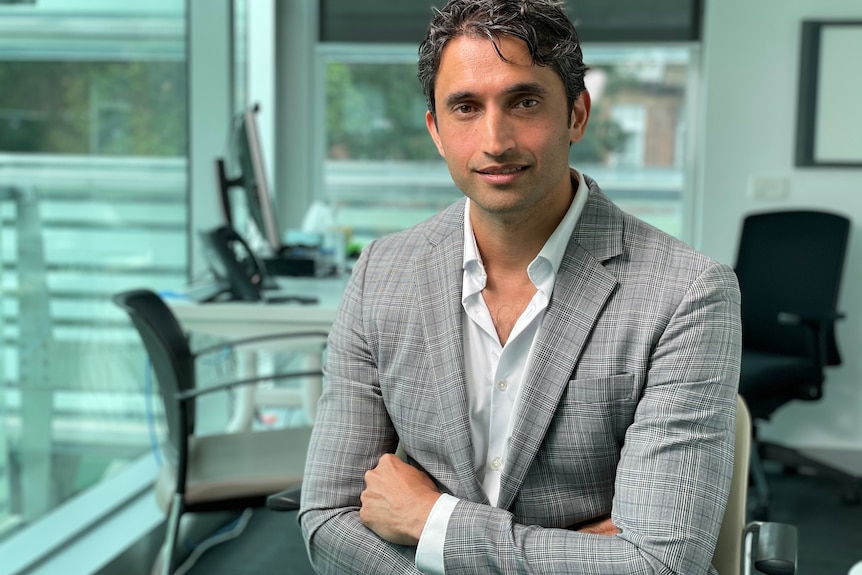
{"x":212,"y":472}
{"x":789,"y":266}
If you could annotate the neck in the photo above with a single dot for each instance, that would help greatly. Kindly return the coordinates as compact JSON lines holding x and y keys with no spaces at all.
{"x":507,"y":248}
{"x":508,"y":243}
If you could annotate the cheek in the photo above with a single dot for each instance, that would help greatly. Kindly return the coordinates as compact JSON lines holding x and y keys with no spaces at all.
{"x":547,"y":139}
{"x":456,"y":148}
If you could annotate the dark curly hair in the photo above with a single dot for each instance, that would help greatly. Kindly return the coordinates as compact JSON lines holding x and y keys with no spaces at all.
{"x":542,"y":24}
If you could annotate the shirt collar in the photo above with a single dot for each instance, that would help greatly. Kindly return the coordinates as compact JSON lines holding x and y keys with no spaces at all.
{"x":555,"y":247}
{"x":551,"y":254}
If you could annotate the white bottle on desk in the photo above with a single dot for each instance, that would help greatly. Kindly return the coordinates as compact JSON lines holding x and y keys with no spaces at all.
{"x":320,"y":219}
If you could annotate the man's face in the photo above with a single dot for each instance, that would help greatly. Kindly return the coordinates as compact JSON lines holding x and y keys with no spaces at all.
{"x":504,"y":128}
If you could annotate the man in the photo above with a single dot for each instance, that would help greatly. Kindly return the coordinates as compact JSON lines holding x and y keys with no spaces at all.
{"x":560,"y":377}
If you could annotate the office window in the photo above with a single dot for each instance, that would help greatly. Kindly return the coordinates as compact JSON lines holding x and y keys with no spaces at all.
{"x":381,"y":171}
{"x":630,"y":122}
{"x":100,"y":108}
{"x":92,"y":201}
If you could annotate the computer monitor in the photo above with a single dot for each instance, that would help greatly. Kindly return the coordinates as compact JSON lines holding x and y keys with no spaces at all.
{"x":244,"y":169}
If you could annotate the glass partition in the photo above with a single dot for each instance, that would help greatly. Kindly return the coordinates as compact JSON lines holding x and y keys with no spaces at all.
{"x":92,"y":201}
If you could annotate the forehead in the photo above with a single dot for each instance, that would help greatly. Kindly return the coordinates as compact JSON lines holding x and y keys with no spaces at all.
{"x":473,"y":64}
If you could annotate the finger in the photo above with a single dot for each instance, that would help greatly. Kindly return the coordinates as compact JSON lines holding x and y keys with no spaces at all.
{"x":601,"y":527}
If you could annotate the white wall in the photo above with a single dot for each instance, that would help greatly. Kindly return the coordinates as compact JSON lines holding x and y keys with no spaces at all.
{"x":751,"y":67}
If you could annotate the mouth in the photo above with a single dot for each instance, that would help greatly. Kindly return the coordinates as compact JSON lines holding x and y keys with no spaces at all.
{"x":501,"y":170}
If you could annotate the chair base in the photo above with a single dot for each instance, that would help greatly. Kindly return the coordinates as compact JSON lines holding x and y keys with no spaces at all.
{"x":192,"y":528}
{"x":793,"y":460}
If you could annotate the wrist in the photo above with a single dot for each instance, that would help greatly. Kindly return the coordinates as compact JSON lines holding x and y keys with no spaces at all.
{"x":429,"y":551}
{"x":424,"y":511}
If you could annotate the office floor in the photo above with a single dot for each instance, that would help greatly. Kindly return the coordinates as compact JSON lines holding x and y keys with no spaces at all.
{"x":830,"y":533}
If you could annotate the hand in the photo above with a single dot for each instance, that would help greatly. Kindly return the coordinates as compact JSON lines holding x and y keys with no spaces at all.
{"x":600,"y":527}
{"x":397,"y":500}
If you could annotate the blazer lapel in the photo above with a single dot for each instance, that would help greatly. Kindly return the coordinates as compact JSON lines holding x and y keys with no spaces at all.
{"x":439,"y":279}
{"x":582,"y":287}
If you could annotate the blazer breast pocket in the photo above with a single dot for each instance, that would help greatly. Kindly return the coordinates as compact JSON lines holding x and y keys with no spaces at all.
{"x":597,"y":411}
{"x":602,"y":389}
{"x":589,"y":428}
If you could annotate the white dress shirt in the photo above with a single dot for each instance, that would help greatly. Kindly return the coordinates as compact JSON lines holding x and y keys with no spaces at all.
{"x":493,"y":372}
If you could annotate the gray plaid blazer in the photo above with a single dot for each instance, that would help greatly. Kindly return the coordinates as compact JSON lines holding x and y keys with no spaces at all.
{"x":627,"y":409}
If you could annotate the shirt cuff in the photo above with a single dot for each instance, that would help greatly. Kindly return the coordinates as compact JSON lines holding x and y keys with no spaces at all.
{"x":429,"y":551}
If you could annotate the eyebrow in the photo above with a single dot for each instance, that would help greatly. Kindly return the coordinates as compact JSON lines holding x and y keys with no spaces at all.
{"x":520,"y":88}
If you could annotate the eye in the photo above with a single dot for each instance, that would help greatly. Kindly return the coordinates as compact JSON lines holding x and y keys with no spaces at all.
{"x":463,"y":109}
{"x":528,"y":103}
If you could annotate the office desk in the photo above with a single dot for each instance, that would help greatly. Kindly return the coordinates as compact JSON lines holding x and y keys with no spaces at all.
{"x":240,"y":319}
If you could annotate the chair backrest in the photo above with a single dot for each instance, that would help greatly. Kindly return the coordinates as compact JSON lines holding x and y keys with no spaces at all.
{"x":727,"y":558}
{"x":170,"y":355}
{"x":790,"y":261}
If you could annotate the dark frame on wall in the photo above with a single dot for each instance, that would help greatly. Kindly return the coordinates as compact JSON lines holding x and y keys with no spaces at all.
{"x":828,"y":122}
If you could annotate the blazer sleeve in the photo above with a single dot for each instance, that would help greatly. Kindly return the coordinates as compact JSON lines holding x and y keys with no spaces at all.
{"x":351,"y":432}
{"x":673,"y":476}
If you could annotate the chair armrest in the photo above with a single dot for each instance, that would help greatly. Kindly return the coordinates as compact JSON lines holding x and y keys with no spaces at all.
{"x":199,"y":391}
{"x":287,"y":500}
{"x":809,"y":319}
{"x":770,"y":548}
{"x":816,"y":325}
{"x":260,"y":338}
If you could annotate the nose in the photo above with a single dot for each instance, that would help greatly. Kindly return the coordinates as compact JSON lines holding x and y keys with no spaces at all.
{"x":497,"y":132}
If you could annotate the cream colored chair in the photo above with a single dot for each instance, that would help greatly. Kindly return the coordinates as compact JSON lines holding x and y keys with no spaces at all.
{"x":756,"y":547}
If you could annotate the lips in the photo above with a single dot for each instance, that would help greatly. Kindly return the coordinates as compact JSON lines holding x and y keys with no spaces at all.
{"x":502,"y":170}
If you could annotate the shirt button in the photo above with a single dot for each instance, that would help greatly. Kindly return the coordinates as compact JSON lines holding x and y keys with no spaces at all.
{"x":502,"y":385}
{"x":497,"y":464}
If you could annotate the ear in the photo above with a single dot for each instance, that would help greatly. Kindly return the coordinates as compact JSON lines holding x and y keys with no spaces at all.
{"x":431,"y":124}
{"x":580,"y":116}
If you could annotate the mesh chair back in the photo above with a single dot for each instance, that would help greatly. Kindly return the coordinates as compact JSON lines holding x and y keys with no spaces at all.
{"x":790,"y":261}
{"x":170,"y":355}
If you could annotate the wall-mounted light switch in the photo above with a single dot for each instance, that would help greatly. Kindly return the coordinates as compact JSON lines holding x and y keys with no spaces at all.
{"x":769,"y":188}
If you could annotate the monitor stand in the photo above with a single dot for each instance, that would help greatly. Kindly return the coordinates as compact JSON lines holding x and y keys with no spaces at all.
{"x":208,"y":290}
